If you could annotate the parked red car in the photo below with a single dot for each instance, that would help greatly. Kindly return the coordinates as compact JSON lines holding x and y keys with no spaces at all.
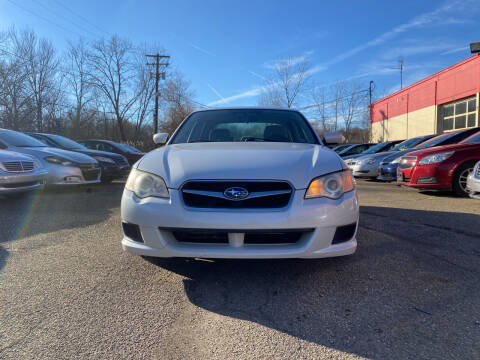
{"x":442,"y":167}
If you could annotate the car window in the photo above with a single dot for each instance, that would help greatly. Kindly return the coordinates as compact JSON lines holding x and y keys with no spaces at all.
{"x":472,"y":139}
{"x":379,"y":147}
{"x":67,"y":143}
{"x":245,"y":125}
{"x":108,"y":147}
{"x":18,"y":139}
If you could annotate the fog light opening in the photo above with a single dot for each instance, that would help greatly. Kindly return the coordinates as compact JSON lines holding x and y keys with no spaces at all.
{"x":132,"y":231}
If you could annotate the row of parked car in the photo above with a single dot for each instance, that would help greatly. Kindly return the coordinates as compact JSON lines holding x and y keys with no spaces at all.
{"x":449,"y":161}
{"x":30,"y":160}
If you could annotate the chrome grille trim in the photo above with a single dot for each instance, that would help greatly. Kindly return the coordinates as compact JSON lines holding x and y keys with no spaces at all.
{"x":18,"y":166}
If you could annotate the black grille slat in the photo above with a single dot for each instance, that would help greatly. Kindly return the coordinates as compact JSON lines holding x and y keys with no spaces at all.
{"x":90,"y":175}
{"x":265,"y":202}
{"x":19,"y":185}
{"x":257,"y":237}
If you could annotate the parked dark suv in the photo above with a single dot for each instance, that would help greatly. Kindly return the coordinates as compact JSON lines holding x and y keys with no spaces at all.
{"x":113,"y":165}
{"x":132,"y":154}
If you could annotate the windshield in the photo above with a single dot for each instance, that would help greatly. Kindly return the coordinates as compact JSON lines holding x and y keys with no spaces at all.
{"x":407,"y":144}
{"x":377,"y":148}
{"x":472,"y":139}
{"x":132,"y":149}
{"x":340,"y":148}
{"x":245,"y":125}
{"x":66,"y":143}
{"x":21,"y":140}
{"x":436,"y":140}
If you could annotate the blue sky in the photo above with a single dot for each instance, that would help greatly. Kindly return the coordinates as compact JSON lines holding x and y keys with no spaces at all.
{"x":224,"y":48}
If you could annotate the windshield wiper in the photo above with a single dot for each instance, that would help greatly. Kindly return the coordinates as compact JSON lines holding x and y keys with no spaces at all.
{"x":250,"y":138}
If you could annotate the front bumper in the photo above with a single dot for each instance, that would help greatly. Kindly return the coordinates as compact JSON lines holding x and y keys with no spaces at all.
{"x":154,"y":216}
{"x":72,"y":175}
{"x":115,"y":171}
{"x":387,"y":172}
{"x":365,"y":170}
{"x":473,"y":186}
{"x":21,"y":182}
{"x":435,"y":177}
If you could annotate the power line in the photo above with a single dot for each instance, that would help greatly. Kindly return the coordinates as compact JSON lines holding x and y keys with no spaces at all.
{"x":82,"y":17}
{"x":65,"y":18}
{"x":43,"y":18}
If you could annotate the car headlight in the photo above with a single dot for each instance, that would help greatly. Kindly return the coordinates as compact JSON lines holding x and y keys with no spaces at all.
{"x":396,"y":160}
{"x":331,"y":186}
{"x":144,"y":184}
{"x":436,"y":158}
{"x":104,"y":159}
{"x":58,"y":160}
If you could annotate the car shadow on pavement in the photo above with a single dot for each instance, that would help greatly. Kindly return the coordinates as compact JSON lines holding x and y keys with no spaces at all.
{"x":414,"y":292}
{"x":55,"y":209}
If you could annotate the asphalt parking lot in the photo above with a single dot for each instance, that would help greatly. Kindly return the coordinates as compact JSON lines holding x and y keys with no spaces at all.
{"x":412,"y":290}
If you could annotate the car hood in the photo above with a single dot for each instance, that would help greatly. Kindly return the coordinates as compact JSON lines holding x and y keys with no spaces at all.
{"x":99,"y":153}
{"x":296,"y":163}
{"x":42,"y":152}
{"x":378,"y":156}
{"x":6,"y":155}
{"x":445,"y":148}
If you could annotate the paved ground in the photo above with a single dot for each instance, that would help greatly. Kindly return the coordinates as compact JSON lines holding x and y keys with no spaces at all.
{"x":68,"y":291}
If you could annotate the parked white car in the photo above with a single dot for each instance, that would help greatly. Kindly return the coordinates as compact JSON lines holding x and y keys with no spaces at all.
{"x":241,"y":183}
{"x":473,"y":182}
{"x":20,"y":173}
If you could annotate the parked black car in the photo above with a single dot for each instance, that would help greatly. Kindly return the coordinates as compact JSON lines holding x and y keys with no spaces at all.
{"x":354,"y":149}
{"x":132,"y":154}
{"x":113,"y":166}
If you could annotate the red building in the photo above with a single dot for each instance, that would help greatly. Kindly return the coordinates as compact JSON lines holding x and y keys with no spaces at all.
{"x":442,"y":102}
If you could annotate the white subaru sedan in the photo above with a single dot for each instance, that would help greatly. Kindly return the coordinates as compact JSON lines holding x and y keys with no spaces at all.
{"x":241,"y":183}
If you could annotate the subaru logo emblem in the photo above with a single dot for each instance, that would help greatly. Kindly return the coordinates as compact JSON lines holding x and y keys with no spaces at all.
{"x":236,"y":193}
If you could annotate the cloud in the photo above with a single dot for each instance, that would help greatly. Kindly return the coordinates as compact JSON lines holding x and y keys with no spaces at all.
{"x":215,"y":91}
{"x":196,"y":47}
{"x":284,"y":63}
{"x":257,"y":75}
{"x":435,"y":17}
{"x":431,"y":46}
{"x":455,"y":50}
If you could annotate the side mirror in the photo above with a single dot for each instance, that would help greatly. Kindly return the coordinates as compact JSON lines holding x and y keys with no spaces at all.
{"x":332,"y":138}
{"x":160,"y":138}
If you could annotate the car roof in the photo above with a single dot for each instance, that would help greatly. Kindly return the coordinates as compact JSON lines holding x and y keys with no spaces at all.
{"x":248,"y":108}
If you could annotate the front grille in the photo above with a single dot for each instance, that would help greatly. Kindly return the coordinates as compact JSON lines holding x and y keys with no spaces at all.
{"x":18,"y":166}
{"x":407,"y":162}
{"x":88,"y":166}
{"x":91,"y":174}
{"x":19,"y":185}
{"x":478,"y":170}
{"x":262,"y":194}
{"x":257,"y":237}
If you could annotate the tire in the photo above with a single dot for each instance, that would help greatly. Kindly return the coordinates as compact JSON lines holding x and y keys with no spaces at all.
{"x":460,"y":179}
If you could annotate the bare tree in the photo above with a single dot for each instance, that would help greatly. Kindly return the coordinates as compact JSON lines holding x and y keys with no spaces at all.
{"x":353,"y":101}
{"x":288,"y":81}
{"x":320,"y":106}
{"x":78,"y":80}
{"x":113,"y":72}
{"x":177,"y":98}
{"x":40,"y":67}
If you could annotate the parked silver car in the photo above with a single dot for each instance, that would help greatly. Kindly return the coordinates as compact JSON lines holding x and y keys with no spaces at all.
{"x":64,"y":167}
{"x":473,"y":182}
{"x":20,"y":173}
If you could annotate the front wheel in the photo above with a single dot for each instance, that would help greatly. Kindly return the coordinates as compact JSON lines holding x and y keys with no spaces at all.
{"x":460,"y":179}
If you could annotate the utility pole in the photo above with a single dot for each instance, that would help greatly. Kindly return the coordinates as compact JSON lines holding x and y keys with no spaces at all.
{"x":160,"y":60}
{"x":400,"y":65}
{"x":370,"y":88}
